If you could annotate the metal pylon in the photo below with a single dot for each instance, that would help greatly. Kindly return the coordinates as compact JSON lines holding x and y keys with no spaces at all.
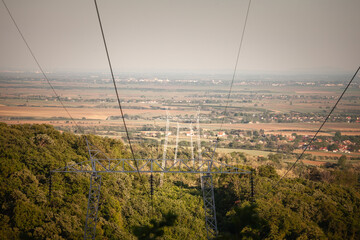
{"x":192,"y":144}
{"x":252,"y":199}
{"x":163,"y":164}
{"x":209,"y":206}
{"x":94,"y":193}
{"x":99,"y":163}
{"x":177,"y":141}
{"x":93,"y":206}
{"x":199,"y":144}
{"x":198,"y":138}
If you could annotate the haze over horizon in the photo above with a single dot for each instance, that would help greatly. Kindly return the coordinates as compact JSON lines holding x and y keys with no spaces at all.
{"x":187,"y":36}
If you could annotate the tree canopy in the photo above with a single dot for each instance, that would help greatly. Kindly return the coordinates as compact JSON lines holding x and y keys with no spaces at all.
{"x":321,"y":204}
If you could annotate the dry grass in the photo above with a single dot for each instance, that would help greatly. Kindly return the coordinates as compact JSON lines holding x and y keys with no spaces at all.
{"x":328,"y":154}
{"x":103,"y":113}
{"x":88,"y":113}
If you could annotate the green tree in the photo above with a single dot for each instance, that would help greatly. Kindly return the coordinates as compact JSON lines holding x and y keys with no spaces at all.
{"x":342,"y":161}
{"x":268,"y":171}
{"x":156,"y":229}
{"x":333,"y":147}
{"x":337,"y":136}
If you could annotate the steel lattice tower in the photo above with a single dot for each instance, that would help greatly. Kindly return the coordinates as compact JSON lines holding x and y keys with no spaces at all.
{"x":93,"y":206}
{"x":209,"y":205}
{"x":163,"y":164}
{"x":99,"y":164}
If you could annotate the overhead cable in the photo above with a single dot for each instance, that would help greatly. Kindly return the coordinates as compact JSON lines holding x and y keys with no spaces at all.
{"x":116,"y":90}
{"x":233,"y":76}
{"x":236,"y":63}
{"x":314,"y":137}
{"x":41,"y":69}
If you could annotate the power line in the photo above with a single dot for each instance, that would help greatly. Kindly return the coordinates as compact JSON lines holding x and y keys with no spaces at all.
{"x":116,"y":91}
{"x":233,"y":76}
{"x":314,"y":137}
{"x":41,"y":69}
{"x":49,"y":83}
{"x":236,"y":64}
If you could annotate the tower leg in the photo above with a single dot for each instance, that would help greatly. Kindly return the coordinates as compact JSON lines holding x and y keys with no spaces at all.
{"x":252,"y":199}
{"x":209,"y":206}
{"x":93,"y":205}
{"x":163,"y":164}
{"x":50,"y":186}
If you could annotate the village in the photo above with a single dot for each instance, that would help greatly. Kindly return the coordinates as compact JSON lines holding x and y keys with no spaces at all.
{"x":258,"y":140}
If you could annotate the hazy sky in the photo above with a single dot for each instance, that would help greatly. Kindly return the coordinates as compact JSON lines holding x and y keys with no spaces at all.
{"x":185,"y":35}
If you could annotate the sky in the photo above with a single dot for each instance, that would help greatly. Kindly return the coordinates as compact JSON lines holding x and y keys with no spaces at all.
{"x":282,"y":36}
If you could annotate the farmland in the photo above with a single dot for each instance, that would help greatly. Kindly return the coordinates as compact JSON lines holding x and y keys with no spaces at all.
{"x":276,"y":106}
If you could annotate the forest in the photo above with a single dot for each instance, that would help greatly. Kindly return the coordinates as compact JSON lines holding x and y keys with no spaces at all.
{"x":311,"y":203}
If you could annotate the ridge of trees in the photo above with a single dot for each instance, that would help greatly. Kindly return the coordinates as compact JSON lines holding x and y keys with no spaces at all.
{"x":316,"y":203}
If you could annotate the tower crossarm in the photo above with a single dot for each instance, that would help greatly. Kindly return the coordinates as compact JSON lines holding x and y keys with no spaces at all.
{"x":150,"y":166}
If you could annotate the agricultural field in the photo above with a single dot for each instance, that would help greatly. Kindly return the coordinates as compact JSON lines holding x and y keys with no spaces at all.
{"x":276,"y":106}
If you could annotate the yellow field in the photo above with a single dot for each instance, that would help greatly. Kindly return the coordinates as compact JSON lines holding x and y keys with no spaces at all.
{"x":299,"y":128}
{"x":328,"y":154}
{"x":88,"y":113}
{"x":93,"y":115}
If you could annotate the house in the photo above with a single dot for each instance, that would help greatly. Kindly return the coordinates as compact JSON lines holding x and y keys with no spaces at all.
{"x":323,"y":149}
{"x":221,"y":134}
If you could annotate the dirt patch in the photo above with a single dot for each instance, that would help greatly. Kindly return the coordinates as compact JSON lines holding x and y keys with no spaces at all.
{"x":315,"y":163}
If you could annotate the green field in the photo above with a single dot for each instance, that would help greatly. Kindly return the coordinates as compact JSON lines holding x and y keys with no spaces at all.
{"x":255,"y":153}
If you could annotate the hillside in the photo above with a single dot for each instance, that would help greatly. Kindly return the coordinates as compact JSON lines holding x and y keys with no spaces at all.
{"x":317,"y":203}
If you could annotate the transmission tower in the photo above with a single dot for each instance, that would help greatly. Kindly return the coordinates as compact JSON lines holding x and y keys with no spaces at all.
{"x":209,"y":205}
{"x":192,"y":144}
{"x":93,"y":206}
{"x":177,"y":140}
{"x":199,"y":139}
{"x":98,"y":164}
{"x":163,"y":164}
